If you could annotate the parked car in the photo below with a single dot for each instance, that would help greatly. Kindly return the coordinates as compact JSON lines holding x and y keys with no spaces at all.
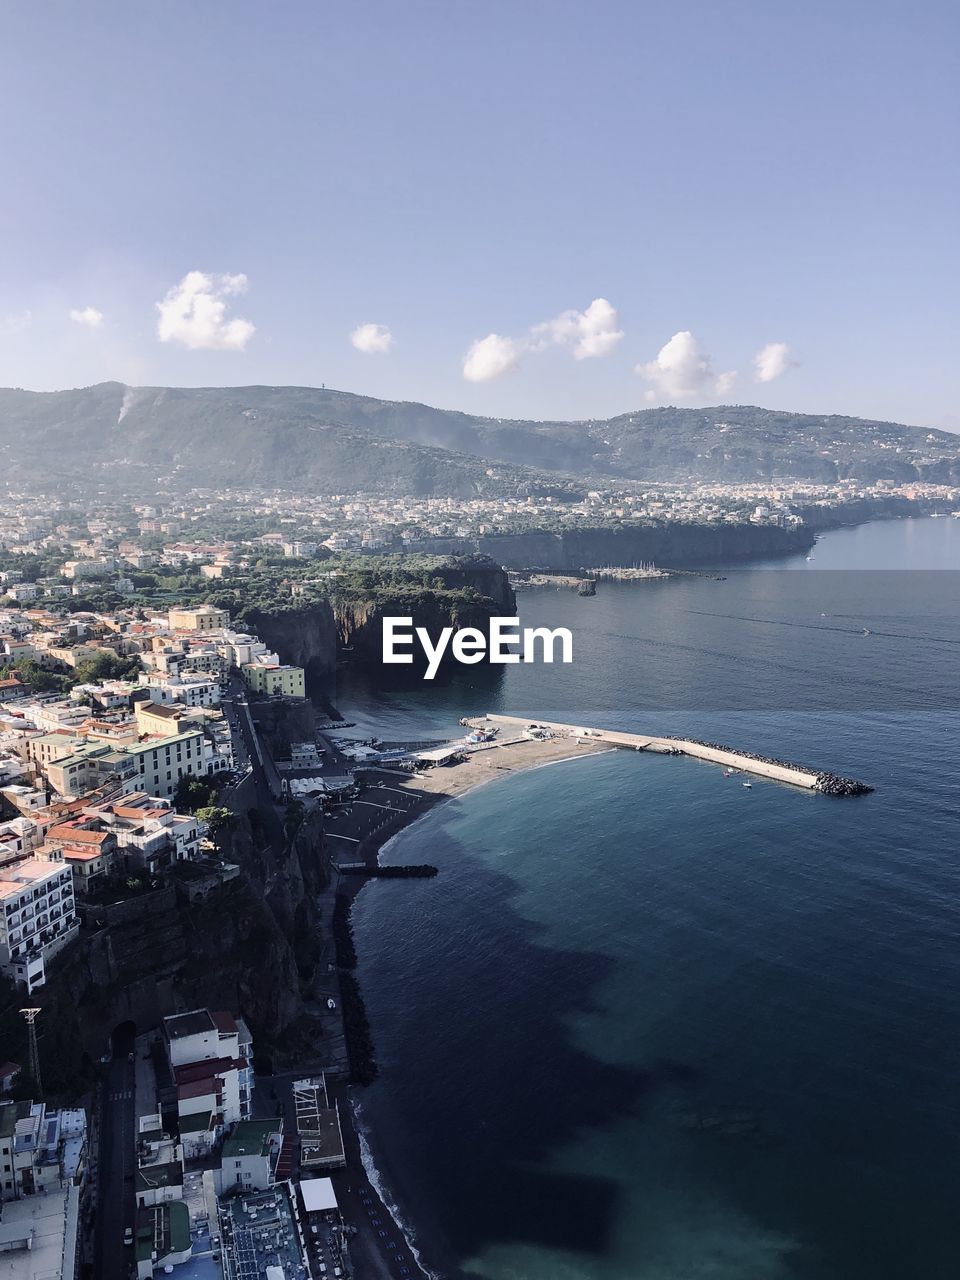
{"x":128,"y":1236}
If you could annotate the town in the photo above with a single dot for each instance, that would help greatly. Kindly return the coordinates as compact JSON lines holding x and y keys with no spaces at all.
{"x":51,"y":545}
{"x":143,"y":721}
{"x":113,"y":789}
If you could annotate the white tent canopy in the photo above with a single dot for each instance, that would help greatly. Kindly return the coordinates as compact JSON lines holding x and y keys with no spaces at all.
{"x":318,"y":1195}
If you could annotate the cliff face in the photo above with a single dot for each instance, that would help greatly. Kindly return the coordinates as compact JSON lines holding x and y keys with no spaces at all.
{"x":249,"y":946}
{"x":360,"y":625}
{"x":347,"y":628}
{"x":863,"y":509}
{"x":671,"y":546}
{"x":305,"y":637}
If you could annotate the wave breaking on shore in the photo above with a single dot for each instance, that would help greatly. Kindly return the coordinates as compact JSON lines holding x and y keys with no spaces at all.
{"x":375,"y":1180}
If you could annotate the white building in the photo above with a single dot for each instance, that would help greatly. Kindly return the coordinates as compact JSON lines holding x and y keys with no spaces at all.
{"x":42,"y":1160}
{"x":248,"y":1161}
{"x":37,"y":917}
{"x":211,"y":1059}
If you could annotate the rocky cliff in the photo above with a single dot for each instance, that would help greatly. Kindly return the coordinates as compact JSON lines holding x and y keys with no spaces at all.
{"x":249,"y":945}
{"x":347,"y":627}
{"x":676,"y":546}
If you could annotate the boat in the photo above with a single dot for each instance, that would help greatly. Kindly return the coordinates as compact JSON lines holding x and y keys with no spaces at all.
{"x":810,"y":557}
{"x":728,"y":773}
{"x":866,"y":631}
{"x":748,"y":785}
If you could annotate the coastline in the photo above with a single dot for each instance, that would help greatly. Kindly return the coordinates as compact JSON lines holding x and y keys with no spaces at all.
{"x":374,"y":1206}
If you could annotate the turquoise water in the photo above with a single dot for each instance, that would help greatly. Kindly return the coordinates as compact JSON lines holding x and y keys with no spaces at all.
{"x":647,"y":1024}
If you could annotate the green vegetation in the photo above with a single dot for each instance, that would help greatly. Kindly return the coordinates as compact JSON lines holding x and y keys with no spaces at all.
{"x":105,"y":666}
{"x":192,"y":794}
{"x":217,"y":820}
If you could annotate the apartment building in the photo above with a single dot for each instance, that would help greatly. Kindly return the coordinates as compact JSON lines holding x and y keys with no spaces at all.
{"x":150,"y":834}
{"x":203,"y":618}
{"x":90,"y":853}
{"x":191,"y":688}
{"x":160,"y":763}
{"x":250,"y":1156}
{"x":274,"y":680}
{"x":210,"y":1056}
{"x":37,"y":917}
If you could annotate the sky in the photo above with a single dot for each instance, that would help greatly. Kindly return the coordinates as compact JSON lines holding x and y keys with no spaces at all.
{"x":524,"y":208}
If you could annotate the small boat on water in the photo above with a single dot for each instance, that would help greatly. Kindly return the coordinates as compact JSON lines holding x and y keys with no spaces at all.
{"x":748,"y":785}
{"x":728,"y":773}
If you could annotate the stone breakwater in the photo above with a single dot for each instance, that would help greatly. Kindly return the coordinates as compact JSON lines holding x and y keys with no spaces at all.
{"x":830,"y":784}
{"x":730,"y":758}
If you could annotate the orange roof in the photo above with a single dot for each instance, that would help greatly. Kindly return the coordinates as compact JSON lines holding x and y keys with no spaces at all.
{"x":82,"y":855}
{"x":78,"y":835}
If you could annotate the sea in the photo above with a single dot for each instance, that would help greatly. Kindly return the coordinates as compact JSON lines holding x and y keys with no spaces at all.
{"x":647,"y":1023}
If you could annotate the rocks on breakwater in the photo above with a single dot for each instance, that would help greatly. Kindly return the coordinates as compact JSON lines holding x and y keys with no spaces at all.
{"x":343,"y":933}
{"x":830,"y":784}
{"x":356,"y":1032}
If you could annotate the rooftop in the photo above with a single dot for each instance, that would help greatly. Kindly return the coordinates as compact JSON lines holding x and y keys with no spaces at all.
{"x":249,"y":1138}
{"x":179,"y":1025}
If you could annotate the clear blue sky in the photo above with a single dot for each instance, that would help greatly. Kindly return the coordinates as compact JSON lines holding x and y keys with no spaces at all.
{"x":744,"y":172}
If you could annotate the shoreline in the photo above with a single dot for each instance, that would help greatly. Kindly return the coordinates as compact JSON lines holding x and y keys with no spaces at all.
{"x":422,"y":793}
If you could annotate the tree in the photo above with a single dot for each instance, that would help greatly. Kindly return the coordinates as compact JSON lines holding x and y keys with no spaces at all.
{"x":217,"y":819}
{"x":192,"y":794}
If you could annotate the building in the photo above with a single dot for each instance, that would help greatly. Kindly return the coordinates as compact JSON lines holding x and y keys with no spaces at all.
{"x":162,"y":1239}
{"x":160,"y":763}
{"x":39,"y":1236}
{"x":203,"y":618}
{"x":318,"y":1126}
{"x":41,"y":1149}
{"x":150,"y":834}
{"x":190,"y":688}
{"x":274,"y":680}
{"x":211,"y":1057}
{"x":37,"y":917}
{"x":262,"y":1235}
{"x":159,"y":1164}
{"x":250,"y":1156}
{"x":91,"y":854}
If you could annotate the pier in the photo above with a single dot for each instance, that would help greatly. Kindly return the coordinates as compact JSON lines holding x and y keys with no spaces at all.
{"x":728,"y":757}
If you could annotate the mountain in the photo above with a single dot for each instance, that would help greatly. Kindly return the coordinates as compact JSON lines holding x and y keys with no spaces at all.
{"x":333,"y":441}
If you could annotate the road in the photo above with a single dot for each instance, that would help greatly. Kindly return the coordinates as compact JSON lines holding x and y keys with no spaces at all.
{"x":265,"y":775}
{"x":116,"y":1165}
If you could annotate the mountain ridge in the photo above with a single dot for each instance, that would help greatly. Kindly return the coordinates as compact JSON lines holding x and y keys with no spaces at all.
{"x":308,"y":436}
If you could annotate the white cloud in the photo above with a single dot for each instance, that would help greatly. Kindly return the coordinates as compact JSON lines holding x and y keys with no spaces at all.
{"x":372,"y":338}
{"x":771,"y":361}
{"x":89,"y":316}
{"x":593,"y":332}
{"x":491,"y":357}
{"x":194,"y":313}
{"x":681,"y":371}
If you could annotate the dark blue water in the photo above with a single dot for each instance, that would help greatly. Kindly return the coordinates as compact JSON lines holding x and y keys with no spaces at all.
{"x":648,"y":1025}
